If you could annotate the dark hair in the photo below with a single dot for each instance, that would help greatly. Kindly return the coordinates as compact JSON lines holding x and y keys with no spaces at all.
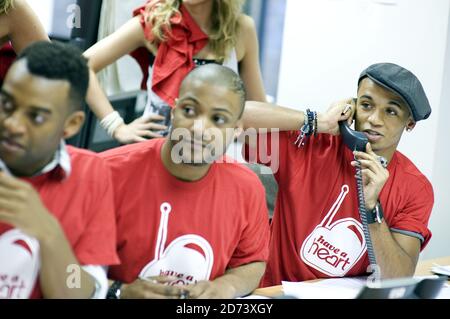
{"x":58,"y":61}
{"x":219,"y":75}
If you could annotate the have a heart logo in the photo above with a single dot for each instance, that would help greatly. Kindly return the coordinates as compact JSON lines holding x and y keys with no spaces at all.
{"x":333,"y":248}
{"x":19,"y":264}
{"x":189,"y":258}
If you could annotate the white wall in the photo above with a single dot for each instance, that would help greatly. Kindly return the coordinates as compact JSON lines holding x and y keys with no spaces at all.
{"x":327,"y":43}
{"x":44,"y":11}
{"x":440,"y":219}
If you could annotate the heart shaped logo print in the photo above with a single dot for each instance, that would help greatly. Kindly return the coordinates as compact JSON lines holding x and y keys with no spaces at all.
{"x":19,"y":264}
{"x":189,"y":258}
{"x":333,"y":248}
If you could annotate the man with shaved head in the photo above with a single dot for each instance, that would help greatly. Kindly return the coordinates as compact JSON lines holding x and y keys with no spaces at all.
{"x":191,"y":224}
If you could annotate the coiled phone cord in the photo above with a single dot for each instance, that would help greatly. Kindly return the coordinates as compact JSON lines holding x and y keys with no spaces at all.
{"x":363,"y":214}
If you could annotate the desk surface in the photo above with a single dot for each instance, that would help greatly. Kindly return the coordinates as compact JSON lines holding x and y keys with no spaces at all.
{"x":422,"y":269}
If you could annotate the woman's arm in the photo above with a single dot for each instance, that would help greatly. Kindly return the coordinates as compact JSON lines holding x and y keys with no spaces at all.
{"x":249,"y":68}
{"x":24,"y":26}
{"x":105,"y":52}
{"x":124,"y":40}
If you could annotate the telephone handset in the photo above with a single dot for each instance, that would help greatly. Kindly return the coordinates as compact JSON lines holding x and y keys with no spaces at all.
{"x":357,"y":141}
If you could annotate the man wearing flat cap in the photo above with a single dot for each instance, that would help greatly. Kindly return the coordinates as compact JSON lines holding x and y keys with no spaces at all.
{"x":316,"y":229}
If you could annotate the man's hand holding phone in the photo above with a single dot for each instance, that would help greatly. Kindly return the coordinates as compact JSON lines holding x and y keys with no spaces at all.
{"x":373,"y":173}
{"x":342,"y":110}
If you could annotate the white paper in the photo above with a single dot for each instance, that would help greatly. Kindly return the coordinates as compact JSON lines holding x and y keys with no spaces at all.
{"x":444,"y":293}
{"x":441,"y":270}
{"x":342,"y":288}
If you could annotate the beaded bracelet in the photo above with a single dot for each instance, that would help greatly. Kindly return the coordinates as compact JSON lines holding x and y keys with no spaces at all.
{"x":315,"y":124}
{"x":111,"y":122}
{"x":308,"y":128}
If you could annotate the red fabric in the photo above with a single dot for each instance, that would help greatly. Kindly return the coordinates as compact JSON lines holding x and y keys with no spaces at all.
{"x":174,"y":59}
{"x":226,"y":210}
{"x":143,"y":57}
{"x":310,"y":240}
{"x":84,"y":207}
{"x":7,"y":57}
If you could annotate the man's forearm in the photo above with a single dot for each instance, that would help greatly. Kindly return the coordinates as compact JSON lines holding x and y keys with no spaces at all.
{"x":260,"y":115}
{"x":242,"y":280}
{"x":265,"y":115}
{"x":57,"y":279}
{"x":393,"y":260}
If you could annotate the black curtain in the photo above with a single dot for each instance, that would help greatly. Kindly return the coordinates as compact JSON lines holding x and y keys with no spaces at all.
{"x":84,"y":37}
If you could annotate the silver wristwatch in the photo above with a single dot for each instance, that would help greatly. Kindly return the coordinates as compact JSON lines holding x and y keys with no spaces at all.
{"x":375,"y":215}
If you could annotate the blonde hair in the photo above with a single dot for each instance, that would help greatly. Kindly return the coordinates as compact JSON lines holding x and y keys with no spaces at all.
{"x":5,"y":5}
{"x":224,"y":24}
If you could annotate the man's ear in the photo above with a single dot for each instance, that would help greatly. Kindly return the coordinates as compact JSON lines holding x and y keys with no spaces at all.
{"x":410,"y":125}
{"x":73,"y":124}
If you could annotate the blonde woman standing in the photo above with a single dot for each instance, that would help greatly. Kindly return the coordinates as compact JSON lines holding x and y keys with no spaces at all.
{"x":169,"y":38}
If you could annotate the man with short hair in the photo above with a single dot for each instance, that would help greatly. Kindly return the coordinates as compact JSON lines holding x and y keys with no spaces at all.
{"x":317,"y":230}
{"x":57,"y":226}
{"x":191,"y":223}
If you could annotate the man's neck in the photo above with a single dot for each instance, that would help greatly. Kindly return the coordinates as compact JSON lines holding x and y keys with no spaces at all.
{"x":184,"y":172}
{"x":201,"y":14}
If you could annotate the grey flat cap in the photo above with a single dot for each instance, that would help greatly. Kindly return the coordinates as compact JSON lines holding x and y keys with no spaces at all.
{"x":402,"y":82}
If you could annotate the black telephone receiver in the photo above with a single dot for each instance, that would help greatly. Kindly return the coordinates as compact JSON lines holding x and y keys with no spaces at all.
{"x":355,"y":141}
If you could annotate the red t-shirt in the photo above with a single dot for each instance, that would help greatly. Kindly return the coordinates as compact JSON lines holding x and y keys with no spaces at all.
{"x":316,"y":228}
{"x":189,"y":230}
{"x":84,"y":206}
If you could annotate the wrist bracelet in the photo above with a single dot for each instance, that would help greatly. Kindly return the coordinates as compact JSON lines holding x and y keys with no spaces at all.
{"x":308,"y":128}
{"x":315,"y":124}
{"x":111,"y":122}
{"x":304,"y":130}
{"x":310,"y":122}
